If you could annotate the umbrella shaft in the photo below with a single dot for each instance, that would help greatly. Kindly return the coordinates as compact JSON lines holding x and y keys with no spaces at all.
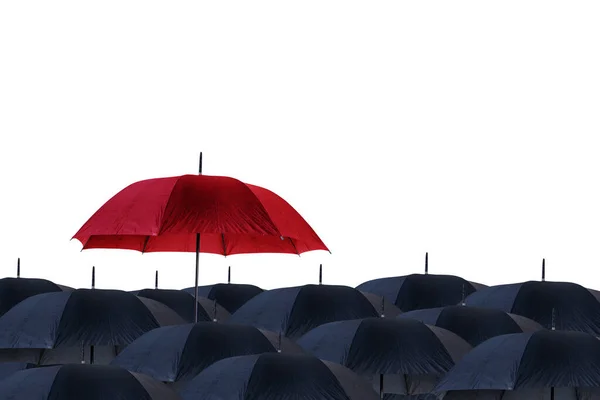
{"x":196,"y":279}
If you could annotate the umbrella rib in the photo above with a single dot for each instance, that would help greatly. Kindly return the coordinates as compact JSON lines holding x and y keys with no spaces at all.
{"x":224,"y":247}
{"x":294,"y":246}
{"x":145,"y":244}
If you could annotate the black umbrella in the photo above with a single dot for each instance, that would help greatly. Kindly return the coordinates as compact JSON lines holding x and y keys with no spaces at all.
{"x":15,"y":290}
{"x":528,"y":363}
{"x":296,"y":310}
{"x":230,"y":295}
{"x":178,"y":353}
{"x":69,"y":322}
{"x":183,"y":304}
{"x":559,"y":305}
{"x":273,"y":376}
{"x":77,"y":381}
{"x":402,"y":356}
{"x":474,"y":324}
{"x":418,"y":291}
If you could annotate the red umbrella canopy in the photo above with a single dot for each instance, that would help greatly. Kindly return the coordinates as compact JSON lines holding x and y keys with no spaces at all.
{"x":166,"y":214}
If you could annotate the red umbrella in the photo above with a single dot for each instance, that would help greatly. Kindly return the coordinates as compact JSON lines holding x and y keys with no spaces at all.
{"x":198,"y":213}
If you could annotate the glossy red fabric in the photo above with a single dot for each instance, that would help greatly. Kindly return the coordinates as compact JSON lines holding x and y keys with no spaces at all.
{"x":232,"y":217}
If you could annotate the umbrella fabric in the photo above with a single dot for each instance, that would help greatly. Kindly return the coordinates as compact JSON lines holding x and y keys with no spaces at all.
{"x":273,"y":376}
{"x":15,"y":290}
{"x":9,"y":368}
{"x":81,"y":381}
{"x":410,"y":354}
{"x":71,"y":321}
{"x":474,"y":324}
{"x":418,"y":291}
{"x":566,"y":305}
{"x":384,"y":307}
{"x":294,"y":311}
{"x":232,"y":217}
{"x":229,"y":295}
{"x":560,"y":359}
{"x":524,"y":394}
{"x":178,"y":353}
{"x":183,"y":304}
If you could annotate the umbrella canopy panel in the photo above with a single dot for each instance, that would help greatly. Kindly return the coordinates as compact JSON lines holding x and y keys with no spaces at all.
{"x":418,"y":291}
{"x":528,"y":360}
{"x":474,"y":324}
{"x":81,"y":381}
{"x":277,"y":376}
{"x":230,"y":295}
{"x":411,"y":355}
{"x":296,"y":310}
{"x":564,"y":305}
{"x":178,"y":353}
{"x":15,"y":290}
{"x":82,"y":317}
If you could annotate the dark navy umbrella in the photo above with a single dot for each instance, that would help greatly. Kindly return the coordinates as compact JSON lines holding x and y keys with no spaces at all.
{"x":273,"y":376}
{"x":528,"y":361}
{"x":15,"y":290}
{"x":296,"y":310}
{"x":562,"y":305}
{"x":80,"y":381}
{"x":474,"y":324}
{"x":418,"y":291}
{"x":230,"y":295}
{"x":177,"y":353}
{"x":9,"y":368}
{"x":183,"y":304}
{"x":70,"y":322}
{"x":402,"y":356}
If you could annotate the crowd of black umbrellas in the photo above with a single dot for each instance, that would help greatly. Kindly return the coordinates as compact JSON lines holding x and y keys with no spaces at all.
{"x":420,"y":336}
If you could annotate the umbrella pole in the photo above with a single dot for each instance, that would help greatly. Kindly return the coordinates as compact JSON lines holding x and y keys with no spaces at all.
{"x":197,"y":256}
{"x":196,"y":279}
{"x":552,"y":393}
{"x":381,"y":386}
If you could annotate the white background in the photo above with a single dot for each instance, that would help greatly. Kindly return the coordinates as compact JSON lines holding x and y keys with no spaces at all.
{"x":463,"y":128}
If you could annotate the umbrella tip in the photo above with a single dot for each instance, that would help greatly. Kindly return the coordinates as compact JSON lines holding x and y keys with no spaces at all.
{"x":200,"y":164}
{"x":320,"y":274}
{"x":229,"y":274}
{"x":93,"y":277}
{"x":156,"y":280}
{"x":543,"y":269}
{"x":426,"y":263}
{"x":19,"y":267}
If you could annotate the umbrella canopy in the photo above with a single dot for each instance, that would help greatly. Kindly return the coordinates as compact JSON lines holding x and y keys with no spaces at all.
{"x":542,"y":359}
{"x":15,"y":290}
{"x":232,"y":217}
{"x":563,"y":305}
{"x":294,"y":311}
{"x":77,"y":381}
{"x":277,"y":376}
{"x":409,"y":355}
{"x":9,"y":368}
{"x":183,"y":304}
{"x":230,"y":295}
{"x":418,"y":291}
{"x":474,"y":324}
{"x":77,"y":319}
{"x":179,"y":353}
